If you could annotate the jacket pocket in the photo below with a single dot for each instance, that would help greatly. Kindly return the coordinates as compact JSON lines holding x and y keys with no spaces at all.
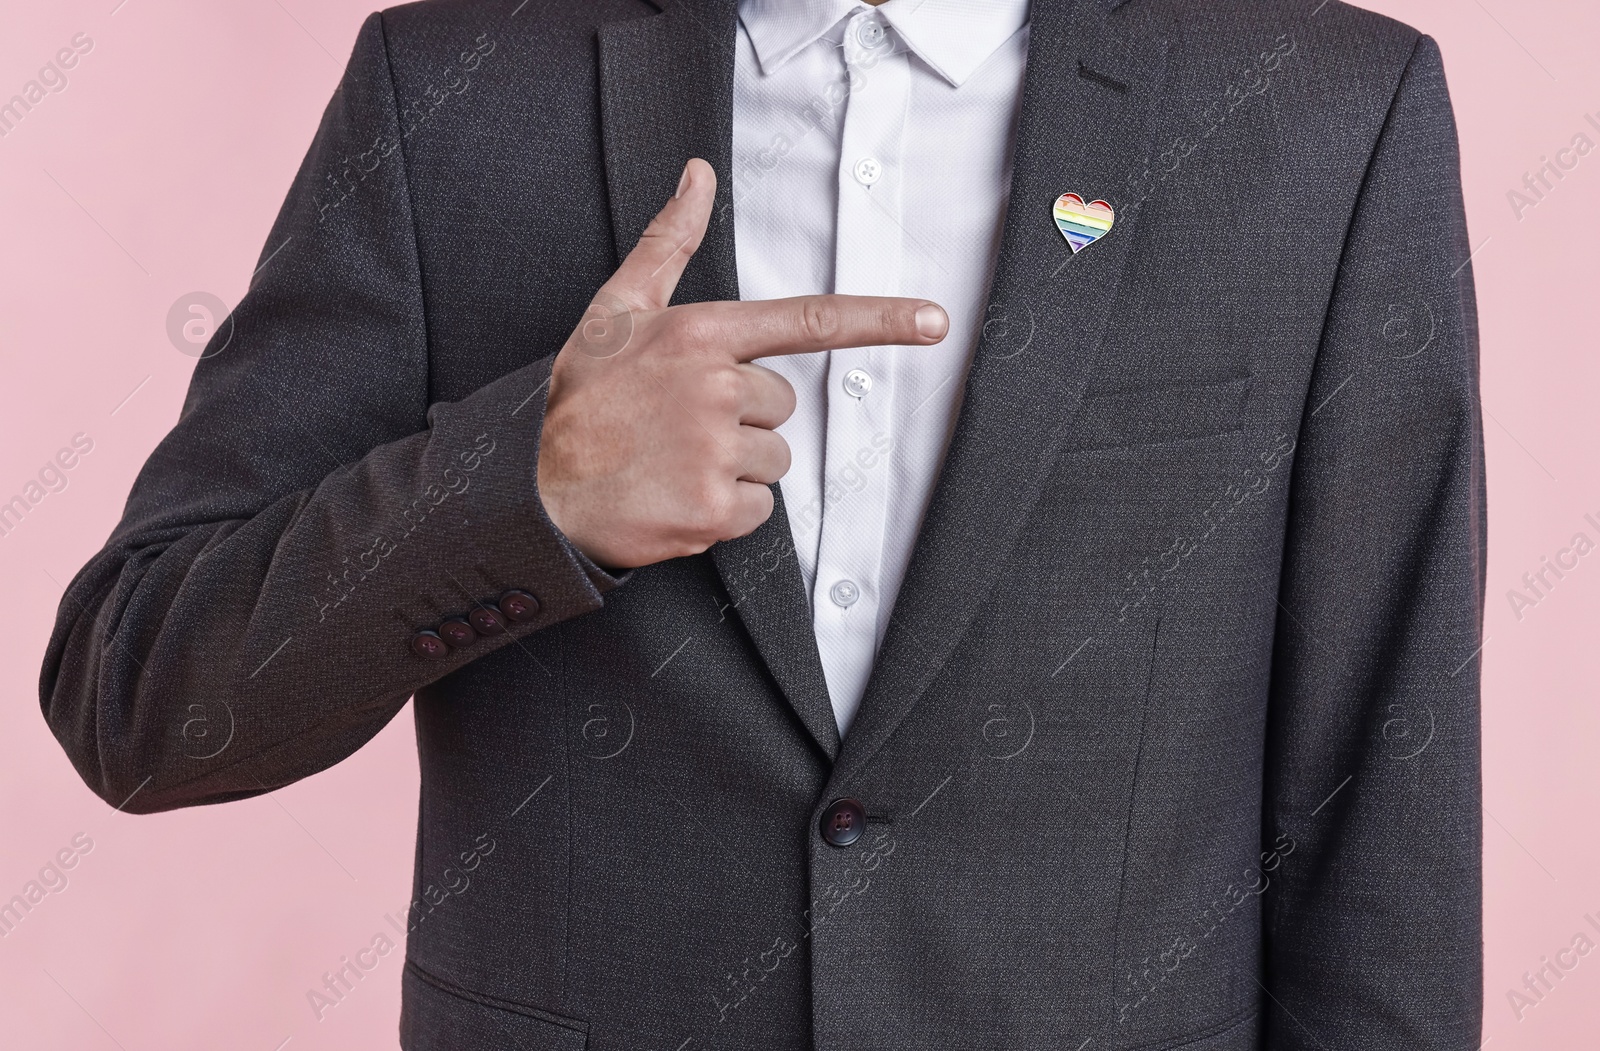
{"x":1112,"y":419}
{"x":436,"y":1015}
{"x":1243,"y":1035}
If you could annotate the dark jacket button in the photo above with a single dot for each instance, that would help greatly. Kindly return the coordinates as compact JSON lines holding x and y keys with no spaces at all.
{"x":843,"y":822}
{"x":458,"y":633}
{"x":428,"y":645}
{"x":519,"y":606}
{"x":487,"y":620}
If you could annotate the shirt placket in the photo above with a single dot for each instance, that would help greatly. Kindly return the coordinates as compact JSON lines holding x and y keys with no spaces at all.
{"x":847,"y":593}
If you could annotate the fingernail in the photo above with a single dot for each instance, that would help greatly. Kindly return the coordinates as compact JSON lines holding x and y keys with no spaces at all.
{"x":932,"y":322}
{"x":683,"y":183}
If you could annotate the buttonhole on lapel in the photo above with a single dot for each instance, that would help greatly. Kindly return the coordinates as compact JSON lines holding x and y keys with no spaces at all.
{"x":879,"y":819}
{"x":1102,"y":79}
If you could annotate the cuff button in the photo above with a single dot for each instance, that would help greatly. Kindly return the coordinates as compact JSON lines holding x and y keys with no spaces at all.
{"x":458,"y":633}
{"x":429,"y":645}
{"x":519,"y":606}
{"x":487,"y":620}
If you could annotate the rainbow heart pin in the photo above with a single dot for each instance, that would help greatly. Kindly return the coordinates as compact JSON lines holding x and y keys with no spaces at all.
{"x":1082,"y":224}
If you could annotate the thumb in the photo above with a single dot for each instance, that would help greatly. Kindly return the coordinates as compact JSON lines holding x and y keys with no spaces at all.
{"x":649,"y":276}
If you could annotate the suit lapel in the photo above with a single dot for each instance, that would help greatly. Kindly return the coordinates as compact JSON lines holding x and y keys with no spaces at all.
{"x":666,"y":85}
{"x":1085,"y":128}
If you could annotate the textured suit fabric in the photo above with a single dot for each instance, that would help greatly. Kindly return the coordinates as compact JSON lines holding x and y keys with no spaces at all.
{"x":1173,"y":738}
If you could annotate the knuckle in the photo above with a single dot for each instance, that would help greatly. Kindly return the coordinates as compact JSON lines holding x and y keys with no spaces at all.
{"x":787,"y":399}
{"x":900,"y":323}
{"x":710,"y":504}
{"x":894,"y":321}
{"x":723,"y":390}
{"x":657,"y":239}
{"x":689,"y":547}
{"x":820,"y":319}
{"x":688,"y":242}
{"x":669,"y":233}
{"x":654,"y":232}
{"x":560,"y":373}
{"x":762,"y":512}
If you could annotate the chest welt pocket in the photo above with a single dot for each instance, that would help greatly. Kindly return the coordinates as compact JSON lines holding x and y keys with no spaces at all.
{"x":1111,"y":419}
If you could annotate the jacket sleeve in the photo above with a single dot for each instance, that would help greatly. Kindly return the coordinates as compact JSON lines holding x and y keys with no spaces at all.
{"x":1373,"y":934}
{"x":250,"y":620}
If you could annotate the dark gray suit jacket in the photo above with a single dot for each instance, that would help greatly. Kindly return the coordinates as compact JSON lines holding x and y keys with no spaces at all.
{"x":1173,"y":741}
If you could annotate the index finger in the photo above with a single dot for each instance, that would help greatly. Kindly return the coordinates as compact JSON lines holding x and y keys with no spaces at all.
{"x":807,"y":324}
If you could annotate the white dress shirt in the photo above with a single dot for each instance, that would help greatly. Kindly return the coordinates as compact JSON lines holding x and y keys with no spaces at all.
{"x":872,"y":156}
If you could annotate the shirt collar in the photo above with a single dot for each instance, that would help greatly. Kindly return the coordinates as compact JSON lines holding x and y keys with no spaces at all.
{"x":954,"y":37}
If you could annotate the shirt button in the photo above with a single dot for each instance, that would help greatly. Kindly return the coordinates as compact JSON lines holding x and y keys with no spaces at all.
{"x":844,"y":593}
{"x":868,"y":171}
{"x":857,"y":384}
{"x":869,"y":33}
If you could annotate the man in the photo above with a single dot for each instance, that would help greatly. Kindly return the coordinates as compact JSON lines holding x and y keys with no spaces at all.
{"x":1100,"y":670}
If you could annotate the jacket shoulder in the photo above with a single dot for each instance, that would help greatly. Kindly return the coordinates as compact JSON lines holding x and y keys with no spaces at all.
{"x":418,"y":22}
{"x":1335,"y":69}
{"x":1337,"y":36}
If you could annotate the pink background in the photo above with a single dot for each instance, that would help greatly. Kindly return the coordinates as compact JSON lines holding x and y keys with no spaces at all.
{"x":157,"y":172}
